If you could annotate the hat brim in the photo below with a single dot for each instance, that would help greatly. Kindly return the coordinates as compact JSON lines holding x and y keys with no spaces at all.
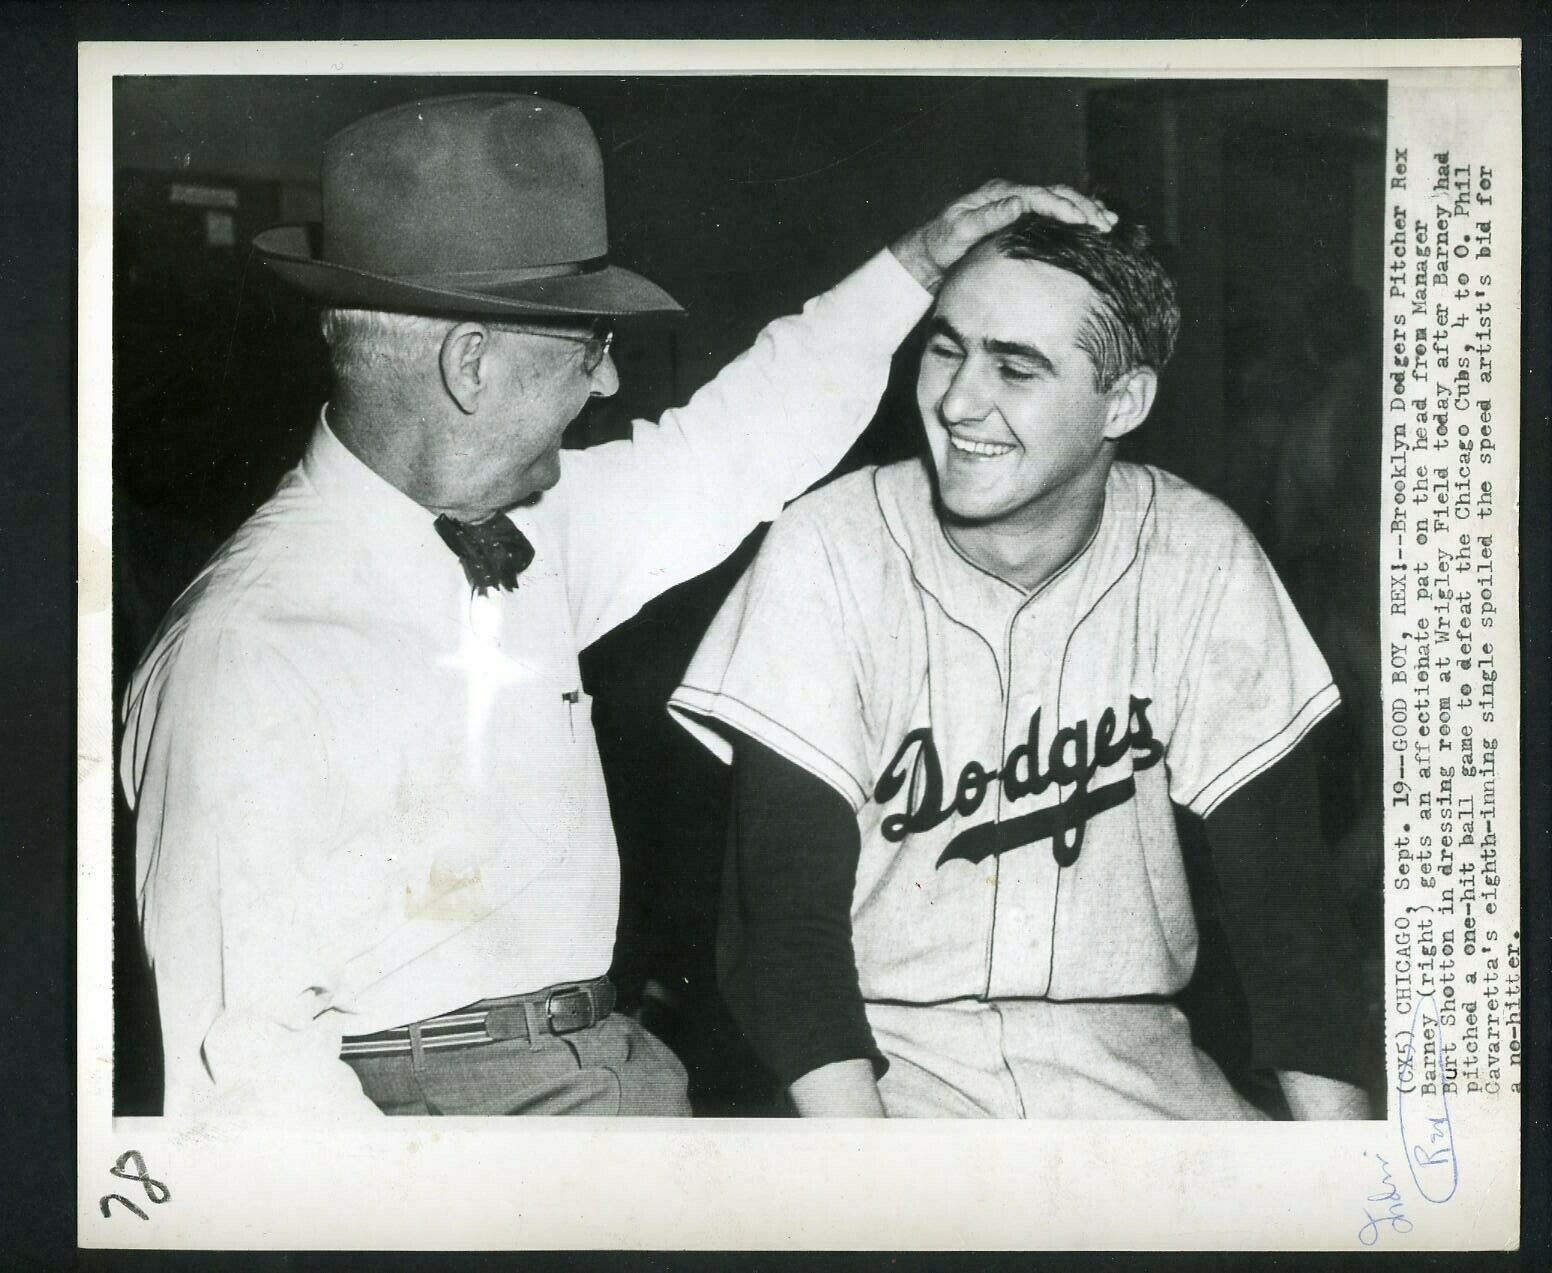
{"x":608,"y":290}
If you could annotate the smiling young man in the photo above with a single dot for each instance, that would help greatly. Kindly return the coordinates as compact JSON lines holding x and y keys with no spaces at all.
{"x":965,"y":697}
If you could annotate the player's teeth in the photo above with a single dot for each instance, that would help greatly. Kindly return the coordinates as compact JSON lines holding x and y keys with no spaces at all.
{"x":970,"y":447}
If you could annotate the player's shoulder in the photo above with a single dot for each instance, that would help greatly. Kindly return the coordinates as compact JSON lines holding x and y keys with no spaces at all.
{"x":847,"y":516}
{"x":842,"y":540}
{"x":1178,"y":519}
{"x":1192,"y":546}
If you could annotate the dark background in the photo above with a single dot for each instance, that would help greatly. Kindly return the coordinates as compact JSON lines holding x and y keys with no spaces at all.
{"x":743,"y":197}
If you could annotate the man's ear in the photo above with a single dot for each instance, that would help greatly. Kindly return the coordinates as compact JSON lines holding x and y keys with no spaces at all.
{"x":465,"y":362}
{"x":1131,"y":398}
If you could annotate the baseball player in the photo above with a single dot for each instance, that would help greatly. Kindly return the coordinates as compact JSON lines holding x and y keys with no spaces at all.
{"x":966,"y":697}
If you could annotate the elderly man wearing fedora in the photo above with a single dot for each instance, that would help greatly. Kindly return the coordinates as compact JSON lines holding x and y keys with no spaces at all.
{"x":374,"y":856}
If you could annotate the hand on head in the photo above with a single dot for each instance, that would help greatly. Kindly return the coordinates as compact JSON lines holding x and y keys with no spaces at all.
{"x":933,"y":248}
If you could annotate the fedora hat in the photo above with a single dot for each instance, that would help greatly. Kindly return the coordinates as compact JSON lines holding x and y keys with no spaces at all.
{"x":478,"y":206}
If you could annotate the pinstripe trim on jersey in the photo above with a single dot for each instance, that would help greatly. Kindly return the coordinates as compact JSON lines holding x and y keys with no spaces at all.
{"x":1262,"y":757}
{"x":720,"y":706}
{"x":921,"y":586}
{"x":1144,"y":523}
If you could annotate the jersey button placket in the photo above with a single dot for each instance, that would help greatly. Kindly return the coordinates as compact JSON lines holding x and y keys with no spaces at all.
{"x":1028,"y":671}
{"x":1007,"y":680}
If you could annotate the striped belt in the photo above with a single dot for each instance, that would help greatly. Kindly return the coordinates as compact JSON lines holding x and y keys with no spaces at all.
{"x":555,"y":1010}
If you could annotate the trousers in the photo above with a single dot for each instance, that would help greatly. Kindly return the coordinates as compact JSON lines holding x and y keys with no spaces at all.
{"x":613,"y":1068}
{"x":1034,"y":1058}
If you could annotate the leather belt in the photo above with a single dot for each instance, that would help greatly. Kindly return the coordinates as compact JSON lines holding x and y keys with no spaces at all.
{"x":555,"y":1010}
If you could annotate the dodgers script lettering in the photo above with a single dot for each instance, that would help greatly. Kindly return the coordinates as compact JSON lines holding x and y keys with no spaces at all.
{"x":1071,"y":761}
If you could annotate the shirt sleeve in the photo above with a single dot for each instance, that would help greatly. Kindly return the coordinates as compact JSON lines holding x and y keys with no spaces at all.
{"x":782,"y":664}
{"x":645,"y":513}
{"x":785,"y":961}
{"x":1293,"y":943}
{"x":1251,"y":681}
{"x":232,"y":789}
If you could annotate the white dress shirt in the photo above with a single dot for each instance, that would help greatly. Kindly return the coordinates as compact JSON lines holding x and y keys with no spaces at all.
{"x":366,"y":795}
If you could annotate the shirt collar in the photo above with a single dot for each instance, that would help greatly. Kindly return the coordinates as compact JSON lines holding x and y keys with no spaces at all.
{"x":980,"y":599}
{"x":395,"y":522}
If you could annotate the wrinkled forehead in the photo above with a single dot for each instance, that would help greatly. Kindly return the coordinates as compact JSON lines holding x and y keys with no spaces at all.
{"x":992,"y":295}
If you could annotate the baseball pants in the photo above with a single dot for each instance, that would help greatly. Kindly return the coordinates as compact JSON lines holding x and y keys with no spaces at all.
{"x":1032,"y":1058}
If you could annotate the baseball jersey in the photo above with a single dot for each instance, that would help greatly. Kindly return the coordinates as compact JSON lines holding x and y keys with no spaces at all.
{"x":1012,"y":757}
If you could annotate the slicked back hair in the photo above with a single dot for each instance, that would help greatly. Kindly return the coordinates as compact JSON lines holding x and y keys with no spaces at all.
{"x":1137,"y":318}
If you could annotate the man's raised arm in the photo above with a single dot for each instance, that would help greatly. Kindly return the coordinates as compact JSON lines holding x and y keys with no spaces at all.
{"x":643,"y":514}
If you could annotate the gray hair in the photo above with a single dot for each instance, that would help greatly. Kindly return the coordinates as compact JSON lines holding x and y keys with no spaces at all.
{"x":377,"y":342}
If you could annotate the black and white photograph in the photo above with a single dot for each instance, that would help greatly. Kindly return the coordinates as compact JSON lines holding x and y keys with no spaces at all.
{"x":773,"y":596}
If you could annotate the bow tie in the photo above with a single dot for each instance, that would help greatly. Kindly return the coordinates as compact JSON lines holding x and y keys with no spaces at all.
{"x":493,"y":552}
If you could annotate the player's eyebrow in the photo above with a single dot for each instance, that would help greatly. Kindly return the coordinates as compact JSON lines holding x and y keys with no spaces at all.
{"x":1017,"y":349}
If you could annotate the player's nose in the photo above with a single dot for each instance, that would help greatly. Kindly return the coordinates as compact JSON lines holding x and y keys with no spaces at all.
{"x":964,"y":401}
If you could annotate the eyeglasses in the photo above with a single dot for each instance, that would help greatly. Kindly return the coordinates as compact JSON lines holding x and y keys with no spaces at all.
{"x":595,"y":345}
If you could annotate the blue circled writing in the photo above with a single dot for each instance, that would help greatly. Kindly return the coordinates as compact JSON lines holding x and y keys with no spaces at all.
{"x":1423,"y":1109}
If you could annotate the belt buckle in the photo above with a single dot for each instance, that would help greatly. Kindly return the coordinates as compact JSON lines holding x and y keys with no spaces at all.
{"x":569,"y":1010}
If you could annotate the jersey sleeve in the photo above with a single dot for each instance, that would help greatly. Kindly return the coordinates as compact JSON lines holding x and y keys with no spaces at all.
{"x":782,"y":663}
{"x":1251,"y":682}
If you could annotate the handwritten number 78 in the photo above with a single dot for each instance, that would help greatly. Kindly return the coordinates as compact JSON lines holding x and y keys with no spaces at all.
{"x":155,"y":1190}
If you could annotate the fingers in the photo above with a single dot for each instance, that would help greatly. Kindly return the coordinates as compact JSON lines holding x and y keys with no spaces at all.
{"x":995,"y":189}
{"x":999,"y":202}
{"x":993,"y":216}
{"x":1066,"y":204}
{"x":1091,"y":209}
{"x":928,"y":251}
